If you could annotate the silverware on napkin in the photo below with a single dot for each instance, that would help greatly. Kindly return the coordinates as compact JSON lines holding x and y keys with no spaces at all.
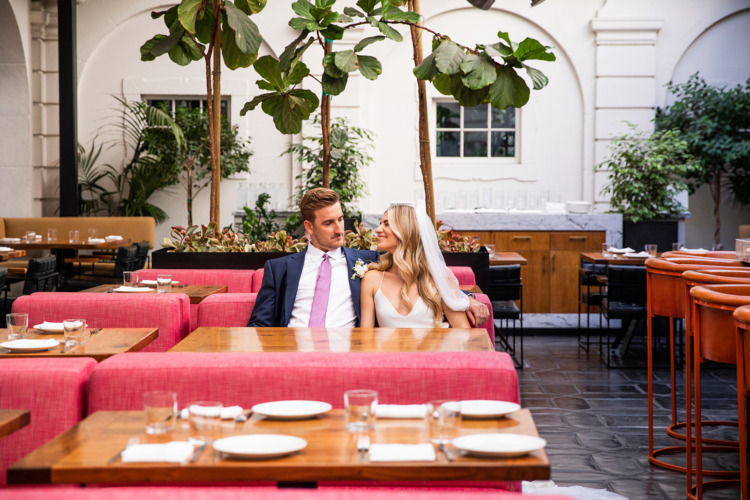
{"x":448,"y":454}
{"x":197,"y":453}
{"x":363,"y":445}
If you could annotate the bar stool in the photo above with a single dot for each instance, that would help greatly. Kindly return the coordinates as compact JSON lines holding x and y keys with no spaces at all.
{"x":666,"y":297}
{"x":742,"y":328}
{"x":715,"y":340}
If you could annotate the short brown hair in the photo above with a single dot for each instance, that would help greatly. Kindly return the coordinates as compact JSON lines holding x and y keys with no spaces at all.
{"x":315,"y":199}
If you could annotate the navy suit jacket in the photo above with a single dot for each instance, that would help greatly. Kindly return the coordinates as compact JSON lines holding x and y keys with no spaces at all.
{"x":275,"y":301}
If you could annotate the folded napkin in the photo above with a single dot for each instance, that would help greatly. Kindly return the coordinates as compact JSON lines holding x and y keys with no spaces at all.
{"x":48,"y":325}
{"x":6,"y":249}
{"x":423,"y":452}
{"x":175,"y":451}
{"x":400,"y":411}
{"x":227,"y":413}
{"x":693,"y":250}
{"x":636,"y":255}
{"x":620,"y":250}
{"x":96,"y":240}
{"x":139,"y":289}
{"x":11,"y":240}
{"x":113,"y":237}
{"x":153,"y":282}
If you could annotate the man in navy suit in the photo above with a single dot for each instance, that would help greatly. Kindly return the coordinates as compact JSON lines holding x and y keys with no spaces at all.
{"x":286,"y":294}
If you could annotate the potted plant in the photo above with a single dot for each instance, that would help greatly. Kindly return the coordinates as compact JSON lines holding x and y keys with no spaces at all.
{"x":646,"y":176}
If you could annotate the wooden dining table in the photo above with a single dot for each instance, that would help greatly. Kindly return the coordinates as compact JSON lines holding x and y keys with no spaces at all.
{"x":10,"y":254}
{"x":59,"y":247}
{"x":89,"y":453}
{"x":13,"y":420}
{"x":196,"y":292}
{"x":506,"y":259}
{"x":101,"y":345}
{"x":282,"y":339}
{"x":613,"y":259}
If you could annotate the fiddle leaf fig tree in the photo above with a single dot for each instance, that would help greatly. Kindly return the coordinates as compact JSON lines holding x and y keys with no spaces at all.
{"x":211,"y":30}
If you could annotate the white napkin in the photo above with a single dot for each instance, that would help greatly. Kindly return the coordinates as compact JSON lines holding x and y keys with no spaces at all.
{"x":140,"y":289}
{"x":175,"y":451}
{"x":153,"y":282}
{"x":636,"y":255}
{"x":693,"y":250}
{"x":227,"y":413}
{"x":113,"y":237}
{"x":620,"y":250}
{"x":400,"y":411}
{"x":11,"y":240}
{"x":6,"y":249}
{"x":48,"y":325}
{"x":96,"y":240}
{"x":30,"y":343}
{"x":422,"y":452}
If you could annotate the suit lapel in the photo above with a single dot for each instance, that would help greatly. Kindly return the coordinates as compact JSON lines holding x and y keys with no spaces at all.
{"x":353,"y":284}
{"x":293,"y":274}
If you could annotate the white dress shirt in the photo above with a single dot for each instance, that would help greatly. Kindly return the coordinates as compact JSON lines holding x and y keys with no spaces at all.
{"x":340,"y":312}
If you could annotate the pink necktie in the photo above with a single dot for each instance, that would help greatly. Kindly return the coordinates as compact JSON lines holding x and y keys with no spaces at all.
{"x":320,"y":299}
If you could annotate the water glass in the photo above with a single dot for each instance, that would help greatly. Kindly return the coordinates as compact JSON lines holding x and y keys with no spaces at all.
{"x":30,"y":236}
{"x":677,"y":246}
{"x":52,"y":234}
{"x":130,"y":278}
{"x":204,"y":419}
{"x":490,"y":249}
{"x":360,"y":407}
{"x":161,"y":411}
{"x":163,"y":283}
{"x":605,"y":250}
{"x":92,"y":233}
{"x":443,"y":420}
{"x":74,"y":331}
{"x":18,"y":325}
{"x":73,"y":236}
{"x":651,"y":250}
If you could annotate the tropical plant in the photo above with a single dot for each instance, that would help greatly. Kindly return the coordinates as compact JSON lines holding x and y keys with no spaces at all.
{"x":361,"y":238}
{"x":93,"y":193}
{"x":280,"y":242}
{"x":258,"y":223}
{"x":646,"y":174}
{"x":486,"y":73}
{"x":715,"y":123}
{"x":349,"y":155}
{"x":451,"y":241}
{"x":205,"y":239}
{"x":212,"y":30}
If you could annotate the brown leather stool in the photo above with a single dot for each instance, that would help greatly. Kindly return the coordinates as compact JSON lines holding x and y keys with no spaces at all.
{"x":742,"y":328}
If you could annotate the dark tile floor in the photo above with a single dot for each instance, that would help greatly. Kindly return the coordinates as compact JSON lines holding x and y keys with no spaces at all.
{"x":595,"y":418}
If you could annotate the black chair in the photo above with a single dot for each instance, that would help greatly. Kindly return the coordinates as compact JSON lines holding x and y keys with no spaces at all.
{"x":41,"y":276}
{"x":4,"y":290}
{"x":626,"y":301}
{"x":504,"y":289}
{"x":126,"y":260}
{"x":143,"y":249}
{"x":589,"y":278}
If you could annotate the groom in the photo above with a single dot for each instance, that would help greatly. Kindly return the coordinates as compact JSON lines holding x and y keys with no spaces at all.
{"x":288,"y":297}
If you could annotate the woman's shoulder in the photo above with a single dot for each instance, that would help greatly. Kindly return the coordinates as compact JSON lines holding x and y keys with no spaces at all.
{"x":371,"y":276}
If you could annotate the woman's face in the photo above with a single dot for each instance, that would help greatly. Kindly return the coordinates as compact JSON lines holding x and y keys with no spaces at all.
{"x":387,"y":240}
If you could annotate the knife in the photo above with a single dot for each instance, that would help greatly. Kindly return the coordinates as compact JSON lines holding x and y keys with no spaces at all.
{"x":197,"y":453}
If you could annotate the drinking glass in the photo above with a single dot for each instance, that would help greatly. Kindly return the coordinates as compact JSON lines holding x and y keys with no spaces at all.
{"x":74,"y":331}
{"x":490,"y":250}
{"x":30,"y":236}
{"x":651,"y":250}
{"x":18,"y":325}
{"x":73,"y":236}
{"x":92,"y":233}
{"x":443,"y":420}
{"x":204,"y":419}
{"x":161,"y":411}
{"x":163,"y":283}
{"x":605,"y":249}
{"x":677,"y":246}
{"x":360,"y":407}
{"x":130,"y":278}
{"x":52,"y":234}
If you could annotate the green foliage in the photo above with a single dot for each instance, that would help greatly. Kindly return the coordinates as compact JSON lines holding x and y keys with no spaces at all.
{"x":258,"y":223}
{"x":90,"y":176}
{"x":204,"y":239}
{"x":349,"y":155}
{"x":647,"y":173}
{"x":361,"y":238}
{"x":715,"y":123}
{"x":280,"y":242}
{"x":451,"y":241}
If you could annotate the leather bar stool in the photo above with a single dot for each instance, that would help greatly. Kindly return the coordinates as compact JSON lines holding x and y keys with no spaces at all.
{"x":666,"y":297}
{"x":711,"y":254}
{"x":714,"y":340}
{"x":742,"y":328}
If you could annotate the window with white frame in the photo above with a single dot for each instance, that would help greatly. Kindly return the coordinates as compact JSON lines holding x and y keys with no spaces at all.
{"x":172,"y":103}
{"x":477,"y":132}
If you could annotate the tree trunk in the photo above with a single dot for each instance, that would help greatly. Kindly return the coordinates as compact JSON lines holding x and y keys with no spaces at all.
{"x":216,"y":143}
{"x":716,"y":195}
{"x":325,"y":125}
{"x":189,"y":188}
{"x":425,"y":160}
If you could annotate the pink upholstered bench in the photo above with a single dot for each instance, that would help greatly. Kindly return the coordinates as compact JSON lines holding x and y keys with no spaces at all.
{"x":464,"y":275}
{"x":168,"y":312}
{"x":226,"y":309}
{"x":53,"y":389}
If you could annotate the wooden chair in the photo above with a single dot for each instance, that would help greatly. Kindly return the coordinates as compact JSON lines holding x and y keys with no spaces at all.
{"x":742,"y":338}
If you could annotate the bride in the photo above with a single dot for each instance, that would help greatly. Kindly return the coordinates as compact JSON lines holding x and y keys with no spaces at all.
{"x":410,"y":286}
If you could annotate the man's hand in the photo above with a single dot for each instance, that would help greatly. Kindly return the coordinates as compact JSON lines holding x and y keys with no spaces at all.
{"x":478,"y":313}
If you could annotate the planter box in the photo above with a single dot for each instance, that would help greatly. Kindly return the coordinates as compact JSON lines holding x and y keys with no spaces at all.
{"x":161,"y":259}
{"x":659,"y":232}
{"x":479,"y":262}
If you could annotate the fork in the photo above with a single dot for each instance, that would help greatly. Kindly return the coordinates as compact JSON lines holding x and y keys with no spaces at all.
{"x":242,"y":416}
{"x":131,"y":442}
{"x":363,"y":445}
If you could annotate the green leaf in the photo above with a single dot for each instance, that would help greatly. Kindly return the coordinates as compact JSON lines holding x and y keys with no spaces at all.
{"x":464,"y":95}
{"x":427,"y":70}
{"x":442,"y":83}
{"x":338,"y":138}
{"x":302,"y":8}
{"x":351,"y":11}
{"x":509,"y":89}
{"x":165,"y":45}
{"x":448,"y":57}
{"x":297,"y":74}
{"x":532,"y":49}
{"x":334,"y":86}
{"x":231,"y":53}
{"x":333,"y":32}
{"x":329,"y":66}
{"x":538,"y":78}
{"x":367,"y":41}
{"x":289,"y":110}
{"x":396,"y":14}
{"x":180,"y":55}
{"x":300,"y":24}
{"x":346,"y":60}
{"x":188,"y":11}
{"x":203,"y":27}
{"x":504,"y":36}
{"x":367,"y":5}
{"x":258,"y":99}
{"x":146,"y":48}
{"x":370,"y":67}
{"x":390,"y":32}
{"x":268,"y":68}
{"x":479,"y":71}
{"x":498,"y":50}
{"x":250,"y":6}
{"x":329,"y":18}
{"x":264,"y":85}
{"x":324,"y":4}
{"x":247,"y":35}
{"x":285,"y":60}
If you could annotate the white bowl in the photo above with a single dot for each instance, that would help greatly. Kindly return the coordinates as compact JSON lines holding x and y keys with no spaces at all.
{"x":578,"y":207}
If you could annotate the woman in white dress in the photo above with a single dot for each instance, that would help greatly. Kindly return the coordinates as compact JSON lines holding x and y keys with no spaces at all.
{"x":410,"y":286}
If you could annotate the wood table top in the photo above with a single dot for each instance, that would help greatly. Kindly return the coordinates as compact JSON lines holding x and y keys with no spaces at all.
{"x":64,"y":244}
{"x":248,"y":339}
{"x":84,"y":453}
{"x":7,"y":255}
{"x":196,"y":292}
{"x":617,"y":260}
{"x":101,"y":345}
{"x":506,"y":259}
{"x":12,"y":420}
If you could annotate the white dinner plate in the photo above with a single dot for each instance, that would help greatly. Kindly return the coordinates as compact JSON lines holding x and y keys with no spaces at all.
{"x":291,"y":410}
{"x":131,"y":289}
{"x":620,"y":250}
{"x":499,"y":445}
{"x":50,"y":327}
{"x":153,"y":282}
{"x":259,"y":445}
{"x":483,"y":408}
{"x":30,"y":345}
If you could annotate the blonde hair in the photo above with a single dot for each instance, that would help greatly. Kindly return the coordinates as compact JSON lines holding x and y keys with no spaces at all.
{"x":410,"y":261}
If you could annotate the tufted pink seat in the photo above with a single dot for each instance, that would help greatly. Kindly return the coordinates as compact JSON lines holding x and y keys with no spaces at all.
{"x":169,"y":312}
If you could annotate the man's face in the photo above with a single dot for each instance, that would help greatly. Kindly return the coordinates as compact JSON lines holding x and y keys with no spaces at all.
{"x":327,"y":229}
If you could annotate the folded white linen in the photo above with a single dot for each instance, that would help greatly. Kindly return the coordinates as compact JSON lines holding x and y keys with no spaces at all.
{"x":96,"y":240}
{"x":636,"y":255}
{"x":113,"y":237}
{"x":620,"y":250}
{"x":391,"y":452}
{"x":174,"y":451}
{"x":49,"y":326}
{"x":11,"y":240}
{"x":693,"y":250}
{"x":227,"y":413}
{"x":6,"y":249}
{"x":400,"y":411}
{"x":136,"y":289}
{"x":153,"y":282}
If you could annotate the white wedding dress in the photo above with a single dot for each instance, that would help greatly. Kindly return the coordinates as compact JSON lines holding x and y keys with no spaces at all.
{"x":420,"y":315}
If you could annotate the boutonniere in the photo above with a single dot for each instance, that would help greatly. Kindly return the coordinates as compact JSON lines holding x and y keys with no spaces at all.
{"x":360,"y":268}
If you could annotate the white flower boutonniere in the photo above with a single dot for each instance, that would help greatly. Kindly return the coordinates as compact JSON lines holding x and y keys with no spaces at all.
{"x":360,"y":268}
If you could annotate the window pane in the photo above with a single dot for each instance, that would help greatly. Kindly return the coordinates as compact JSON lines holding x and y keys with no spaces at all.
{"x":504,"y":118}
{"x":503,"y":144}
{"x":447,"y":144}
{"x":448,"y":115}
{"x":476,"y":117}
{"x":475,"y":144}
{"x":161,"y":104}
